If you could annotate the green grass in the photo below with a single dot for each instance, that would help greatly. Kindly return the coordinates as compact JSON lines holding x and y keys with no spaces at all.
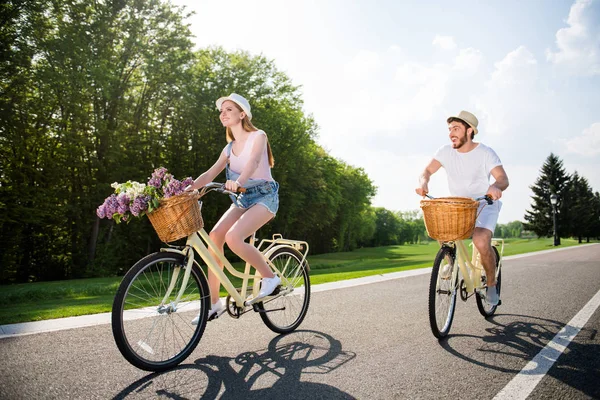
{"x":48,"y":300}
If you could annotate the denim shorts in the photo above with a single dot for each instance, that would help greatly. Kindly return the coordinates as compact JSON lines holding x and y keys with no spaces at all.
{"x":265,"y":193}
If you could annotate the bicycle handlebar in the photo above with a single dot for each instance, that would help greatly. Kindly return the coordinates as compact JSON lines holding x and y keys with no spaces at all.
{"x":220,"y":187}
{"x":487,"y":198}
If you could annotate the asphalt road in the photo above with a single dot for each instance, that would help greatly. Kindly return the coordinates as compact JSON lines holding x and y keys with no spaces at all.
{"x":367,"y":342}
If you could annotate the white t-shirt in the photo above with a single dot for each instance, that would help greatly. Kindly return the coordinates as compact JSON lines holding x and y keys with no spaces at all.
{"x":468,"y":173}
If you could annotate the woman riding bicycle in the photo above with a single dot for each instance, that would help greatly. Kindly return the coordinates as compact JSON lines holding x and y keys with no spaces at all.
{"x":468,"y":165}
{"x":247,"y":159}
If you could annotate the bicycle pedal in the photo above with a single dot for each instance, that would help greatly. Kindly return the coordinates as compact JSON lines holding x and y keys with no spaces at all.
{"x":216,"y":315}
{"x":212,"y":317}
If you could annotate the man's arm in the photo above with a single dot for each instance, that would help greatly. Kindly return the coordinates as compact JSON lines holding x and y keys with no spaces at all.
{"x":433,"y":166}
{"x":495,"y":190}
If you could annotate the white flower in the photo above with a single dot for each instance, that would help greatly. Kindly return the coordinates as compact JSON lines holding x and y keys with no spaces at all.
{"x":135,"y":189}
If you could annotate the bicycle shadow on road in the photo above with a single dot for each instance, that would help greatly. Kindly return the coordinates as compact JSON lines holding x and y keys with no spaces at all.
{"x":521,"y":338}
{"x":273,"y":373}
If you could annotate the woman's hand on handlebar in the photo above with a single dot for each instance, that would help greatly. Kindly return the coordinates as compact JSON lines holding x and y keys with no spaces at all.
{"x":232,"y":186}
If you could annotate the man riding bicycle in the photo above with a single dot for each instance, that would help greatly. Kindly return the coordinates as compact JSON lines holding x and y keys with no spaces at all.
{"x":468,"y":166}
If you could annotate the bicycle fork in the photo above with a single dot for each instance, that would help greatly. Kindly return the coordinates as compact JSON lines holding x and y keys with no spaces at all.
{"x":172,"y":306}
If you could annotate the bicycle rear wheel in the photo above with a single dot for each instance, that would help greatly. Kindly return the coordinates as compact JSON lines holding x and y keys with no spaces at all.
{"x":486,"y":309}
{"x":442,"y":292}
{"x":151,"y":334}
{"x":285,"y":313}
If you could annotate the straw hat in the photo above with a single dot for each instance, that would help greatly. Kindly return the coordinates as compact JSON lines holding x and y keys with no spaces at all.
{"x":237,"y":99}
{"x":469,"y":118}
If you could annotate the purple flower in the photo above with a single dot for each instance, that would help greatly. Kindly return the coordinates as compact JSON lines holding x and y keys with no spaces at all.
{"x":155,"y":181}
{"x":110,"y":206}
{"x":121,"y":206}
{"x":159,"y":173}
{"x":101,"y":212}
{"x":123,"y":203}
{"x":140,"y":204}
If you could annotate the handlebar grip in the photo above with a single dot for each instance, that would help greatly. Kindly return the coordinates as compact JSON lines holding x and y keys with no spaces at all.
{"x":241,"y":190}
{"x":487,"y":199}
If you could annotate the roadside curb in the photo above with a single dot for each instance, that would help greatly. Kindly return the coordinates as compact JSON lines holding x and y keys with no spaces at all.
{"x":30,"y":328}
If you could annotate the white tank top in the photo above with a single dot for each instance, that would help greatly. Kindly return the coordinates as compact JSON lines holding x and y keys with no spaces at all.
{"x":237,"y":163}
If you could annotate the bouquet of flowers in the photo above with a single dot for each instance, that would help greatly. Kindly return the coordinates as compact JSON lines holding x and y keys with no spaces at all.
{"x":137,"y":199}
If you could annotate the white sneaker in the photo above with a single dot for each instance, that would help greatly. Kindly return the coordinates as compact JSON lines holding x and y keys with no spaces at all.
{"x":446,"y":271}
{"x":491,"y":296}
{"x":215,"y":311}
{"x":268,"y":285}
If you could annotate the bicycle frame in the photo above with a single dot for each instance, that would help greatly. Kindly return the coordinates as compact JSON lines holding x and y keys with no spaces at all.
{"x":471,"y":270}
{"x":201,"y":242}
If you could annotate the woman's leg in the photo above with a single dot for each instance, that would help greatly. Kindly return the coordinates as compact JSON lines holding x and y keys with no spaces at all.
{"x":217,"y":235}
{"x":254,"y":218}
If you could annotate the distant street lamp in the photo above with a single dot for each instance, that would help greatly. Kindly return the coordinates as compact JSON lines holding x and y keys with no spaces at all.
{"x":554,"y":201}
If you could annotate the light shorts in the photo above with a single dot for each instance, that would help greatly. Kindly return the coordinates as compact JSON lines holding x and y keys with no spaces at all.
{"x":265,"y":194}
{"x":488,"y":217}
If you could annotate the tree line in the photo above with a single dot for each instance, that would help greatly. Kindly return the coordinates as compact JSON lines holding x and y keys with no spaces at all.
{"x":577,"y":209}
{"x":105,"y":91}
{"x":97,"y":92}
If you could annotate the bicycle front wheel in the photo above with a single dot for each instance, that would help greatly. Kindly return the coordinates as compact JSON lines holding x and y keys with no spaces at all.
{"x":152,"y":332}
{"x":485,"y":309}
{"x":442,"y":292}
{"x":285,"y":313}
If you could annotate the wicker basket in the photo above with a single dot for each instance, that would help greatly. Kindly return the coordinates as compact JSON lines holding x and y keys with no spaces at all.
{"x":177,"y":217}
{"x":449,"y":218}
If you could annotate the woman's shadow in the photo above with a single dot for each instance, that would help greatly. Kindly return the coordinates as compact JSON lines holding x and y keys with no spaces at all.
{"x":273,"y":373}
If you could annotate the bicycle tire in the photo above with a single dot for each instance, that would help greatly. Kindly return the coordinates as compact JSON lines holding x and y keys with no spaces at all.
{"x":285,"y":313}
{"x":154,"y":337}
{"x":442,"y":293}
{"x":484,"y":308}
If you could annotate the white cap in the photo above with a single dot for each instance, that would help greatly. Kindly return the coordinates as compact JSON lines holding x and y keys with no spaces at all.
{"x":237,"y":99}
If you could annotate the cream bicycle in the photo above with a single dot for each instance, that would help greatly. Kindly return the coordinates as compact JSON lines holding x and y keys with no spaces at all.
{"x":453,"y":270}
{"x":163,"y":292}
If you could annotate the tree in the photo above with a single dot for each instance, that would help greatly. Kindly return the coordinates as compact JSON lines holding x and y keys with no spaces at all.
{"x":595,"y":232}
{"x":387,"y":228}
{"x":97,"y":92}
{"x":552,"y":180}
{"x":513,"y":229}
{"x":582,"y":208}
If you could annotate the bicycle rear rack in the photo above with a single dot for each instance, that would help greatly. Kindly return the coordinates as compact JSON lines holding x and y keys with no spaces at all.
{"x":278,"y":240}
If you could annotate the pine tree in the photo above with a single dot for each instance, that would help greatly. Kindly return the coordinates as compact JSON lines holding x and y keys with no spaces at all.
{"x":582,"y":207}
{"x":595,"y":231}
{"x":552,"y":180}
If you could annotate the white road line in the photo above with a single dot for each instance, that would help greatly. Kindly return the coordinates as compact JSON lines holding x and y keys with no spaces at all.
{"x":525,"y":381}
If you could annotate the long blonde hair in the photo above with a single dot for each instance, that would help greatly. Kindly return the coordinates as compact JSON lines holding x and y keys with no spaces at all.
{"x":248,"y":127}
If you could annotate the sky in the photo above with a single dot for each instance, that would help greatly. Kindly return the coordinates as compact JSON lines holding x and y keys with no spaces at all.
{"x":380,"y":78}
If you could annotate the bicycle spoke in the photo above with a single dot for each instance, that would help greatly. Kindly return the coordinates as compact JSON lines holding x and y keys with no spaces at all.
{"x":442,"y":293}
{"x":286,"y":311}
{"x":162,"y":335}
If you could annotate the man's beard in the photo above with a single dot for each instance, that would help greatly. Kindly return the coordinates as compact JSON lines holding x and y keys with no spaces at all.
{"x":461,"y":142}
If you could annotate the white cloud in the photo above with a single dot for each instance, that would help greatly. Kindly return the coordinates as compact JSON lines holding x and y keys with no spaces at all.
{"x":444,"y":42}
{"x":362,"y":66}
{"x":579,"y":44}
{"x":468,"y":60}
{"x":517,"y":68}
{"x":513,"y":97}
{"x":588,"y":143}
